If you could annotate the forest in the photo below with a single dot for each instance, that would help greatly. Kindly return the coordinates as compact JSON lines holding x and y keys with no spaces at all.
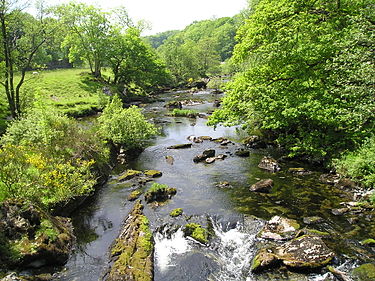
{"x":93,"y":112}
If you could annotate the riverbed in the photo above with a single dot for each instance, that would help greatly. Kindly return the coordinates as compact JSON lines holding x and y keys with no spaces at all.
{"x":234,"y":214}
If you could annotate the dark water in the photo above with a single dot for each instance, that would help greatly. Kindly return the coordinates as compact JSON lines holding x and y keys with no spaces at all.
{"x":235,"y":214}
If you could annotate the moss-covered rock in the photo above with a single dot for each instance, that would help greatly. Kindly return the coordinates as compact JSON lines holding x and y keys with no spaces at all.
{"x":269,"y":164}
{"x":176,"y":212}
{"x":312,"y":220}
{"x":197,"y":232}
{"x":279,"y":228}
{"x":365,"y":272}
{"x":153,"y":173}
{"x":262,"y":186}
{"x":131,"y":255}
{"x":264,"y":259}
{"x":134,"y":195}
{"x":159,"y":192}
{"x":30,"y":236}
{"x":307,"y":251}
{"x":129,"y":174}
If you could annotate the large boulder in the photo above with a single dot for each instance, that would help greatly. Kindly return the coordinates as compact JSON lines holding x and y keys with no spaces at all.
{"x":262,"y":186}
{"x":31,"y":237}
{"x":206,"y":154}
{"x":307,"y":251}
{"x":131,"y":255}
{"x":279,"y":228}
{"x":269,"y":164}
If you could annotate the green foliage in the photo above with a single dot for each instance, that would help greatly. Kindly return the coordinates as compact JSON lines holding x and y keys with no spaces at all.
{"x":360,"y":164}
{"x":198,"y":50}
{"x":47,"y":158}
{"x":133,"y":62}
{"x":184,"y":113}
{"x":159,"y":39}
{"x":307,"y":75}
{"x":125,"y":126}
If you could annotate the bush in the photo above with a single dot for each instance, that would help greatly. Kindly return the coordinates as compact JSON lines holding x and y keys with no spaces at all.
{"x":126,"y":127}
{"x":184,"y":113}
{"x":47,"y":158}
{"x":360,"y":164}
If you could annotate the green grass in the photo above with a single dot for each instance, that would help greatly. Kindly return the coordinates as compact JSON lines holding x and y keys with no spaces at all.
{"x":184,"y":113}
{"x":72,"y":91}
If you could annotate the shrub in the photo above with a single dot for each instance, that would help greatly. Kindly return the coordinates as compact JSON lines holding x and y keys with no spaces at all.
{"x":127,"y":127}
{"x":359,"y":164}
{"x":184,"y":113}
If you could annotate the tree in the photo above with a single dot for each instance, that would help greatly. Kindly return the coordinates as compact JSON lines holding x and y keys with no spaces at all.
{"x":22,"y":36}
{"x":87,"y":34}
{"x":308,"y":77}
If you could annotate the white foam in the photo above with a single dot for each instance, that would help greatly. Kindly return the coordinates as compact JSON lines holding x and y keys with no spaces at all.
{"x":166,"y":248}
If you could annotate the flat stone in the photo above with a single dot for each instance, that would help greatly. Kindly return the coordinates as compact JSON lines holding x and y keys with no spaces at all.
{"x":299,"y":171}
{"x":262,"y":186}
{"x":221,"y":157}
{"x":305,"y":252}
{"x":210,"y":160}
{"x":206,"y":154}
{"x":279,"y":228}
{"x":169,"y":159}
{"x":180,"y":146}
{"x":153,"y":173}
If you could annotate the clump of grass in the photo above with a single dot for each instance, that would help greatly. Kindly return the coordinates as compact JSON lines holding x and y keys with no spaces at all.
{"x":184,"y":113}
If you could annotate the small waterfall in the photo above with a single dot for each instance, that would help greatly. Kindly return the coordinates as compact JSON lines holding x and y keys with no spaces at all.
{"x":235,"y":249}
{"x":166,"y":246}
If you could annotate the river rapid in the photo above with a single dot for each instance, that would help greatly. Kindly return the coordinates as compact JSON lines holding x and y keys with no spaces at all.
{"x":233,"y":213}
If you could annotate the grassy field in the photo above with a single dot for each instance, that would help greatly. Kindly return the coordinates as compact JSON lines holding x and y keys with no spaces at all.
{"x":73,"y":91}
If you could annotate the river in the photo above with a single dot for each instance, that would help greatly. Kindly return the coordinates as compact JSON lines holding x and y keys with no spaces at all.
{"x":234,"y":214}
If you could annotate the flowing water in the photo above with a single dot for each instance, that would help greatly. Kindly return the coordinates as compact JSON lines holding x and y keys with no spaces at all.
{"x":234,"y":215}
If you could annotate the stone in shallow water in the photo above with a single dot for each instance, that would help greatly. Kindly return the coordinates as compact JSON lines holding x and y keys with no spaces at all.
{"x":180,"y":146}
{"x":242,"y":153}
{"x":131,"y":255}
{"x":262,"y":186}
{"x":264,"y":259}
{"x":305,"y":252}
{"x":206,"y":154}
{"x":269,"y":164}
{"x":299,"y":171}
{"x":153,"y":173}
{"x":279,"y":228}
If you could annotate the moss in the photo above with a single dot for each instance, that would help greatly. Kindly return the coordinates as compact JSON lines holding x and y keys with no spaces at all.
{"x":159,"y":192}
{"x":176,"y":212}
{"x":309,"y":231}
{"x":197,"y":232}
{"x":134,"y":195}
{"x":369,"y":242}
{"x":129,"y":174}
{"x":184,"y":113}
{"x":153,"y":173}
{"x":365,"y":272}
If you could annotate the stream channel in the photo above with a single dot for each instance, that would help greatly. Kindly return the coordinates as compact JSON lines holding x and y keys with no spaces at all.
{"x":234,"y":214}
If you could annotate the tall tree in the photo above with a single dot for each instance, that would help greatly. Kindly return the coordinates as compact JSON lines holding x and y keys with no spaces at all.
{"x":22,"y":36}
{"x":308,"y":75}
{"x":87,"y":34}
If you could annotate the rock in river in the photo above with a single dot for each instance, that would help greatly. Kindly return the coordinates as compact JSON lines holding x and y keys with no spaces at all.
{"x":307,"y":251}
{"x":279,"y":228}
{"x":269,"y":164}
{"x":131,"y":255}
{"x":206,"y":154}
{"x":242,"y":153}
{"x":180,"y":146}
{"x":159,"y":192}
{"x":262,"y":186}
